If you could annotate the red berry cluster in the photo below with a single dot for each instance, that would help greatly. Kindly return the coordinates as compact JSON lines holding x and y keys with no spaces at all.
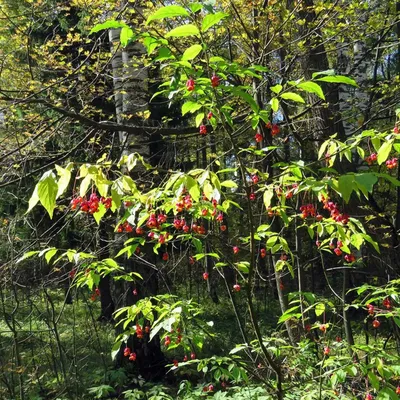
{"x":334,"y":210}
{"x":179,"y":223}
{"x":128,"y":353}
{"x":95,"y":294}
{"x":336,"y":250}
{"x":308,"y":210}
{"x":392,"y":163}
{"x":185,"y":204}
{"x":350,"y":258}
{"x":139,"y":331}
{"x":125,"y":227}
{"x":396,"y":130}
{"x":371,"y":158}
{"x":214,"y":80}
{"x":203,"y":130}
{"x":90,"y":206}
{"x":274,"y":128}
{"x":258,"y":137}
{"x":190,"y":84}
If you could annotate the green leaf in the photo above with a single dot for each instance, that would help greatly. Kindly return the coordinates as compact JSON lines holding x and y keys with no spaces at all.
{"x":274,"y":104}
{"x":199,"y":119}
{"x":319,"y":309}
{"x":384,"y":151}
{"x":357,"y":240}
{"x":338,"y":79}
{"x":28,"y":254}
{"x":267,"y":197}
{"x":346,"y":186}
{"x":276,"y":89}
{"x":366,"y":180}
{"x":376,"y":142}
{"x":229,"y":184}
{"x":100,"y":213}
{"x":65,"y":177}
{"x":47,"y":192}
{"x":168,"y":12}
{"x":112,"y":24}
{"x":126,"y":36}
{"x":190,"y":106}
{"x":192,"y":52}
{"x":33,"y":200}
{"x":312,"y":87}
{"x":246,"y":97}
{"x":50,"y":254}
{"x":183,"y":30}
{"x":292,"y":96}
{"x":327,"y":72}
{"x":212,"y":19}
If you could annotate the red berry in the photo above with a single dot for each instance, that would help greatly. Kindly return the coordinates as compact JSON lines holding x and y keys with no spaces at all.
{"x":263,"y":253}
{"x":205,"y":276}
{"x":368,"y":396}
{"x":327,"y":350}
{"x":165,"y":257}
{"x":204,"y":212}
{"x":210,"y":388}
{"x":203,"y":130}
{"x":371,"y":309}
{"x":398,"y":390}
{"x":190,"y":84}
{"x":396,"y":130}
{"x":258,"y":137}
{"x":235,"y":249}
{"x":236,"y":287}
{"x":376,"y":323}
{"x":191,"y":260}
{"x":185,"y":358}
{"x":322,"y":328}
{"x":128,"y":228}
{"x":252,"y":196}
{"x":337,"y":251}
{"x":209,"y":115}
{"x":127,"y":351}
{"x":350,"y":258}
{"x":186,"y":228}
{"x":275,"y":130}
{"x":132,"y":357}
{"x":283,"y":257}
{"x":338,"y":339}
{"x":134,"y":292}
{"x":176,"y":363}
{"x":192,"y":356}
{"x":319,"y":217}
{"x":214,"y":81}
{"x":220,"y":217}
{"x":139,"y":231}
{"x":255,"y":179}
{"x":223,"y":228}
{"x":387,"y":303}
